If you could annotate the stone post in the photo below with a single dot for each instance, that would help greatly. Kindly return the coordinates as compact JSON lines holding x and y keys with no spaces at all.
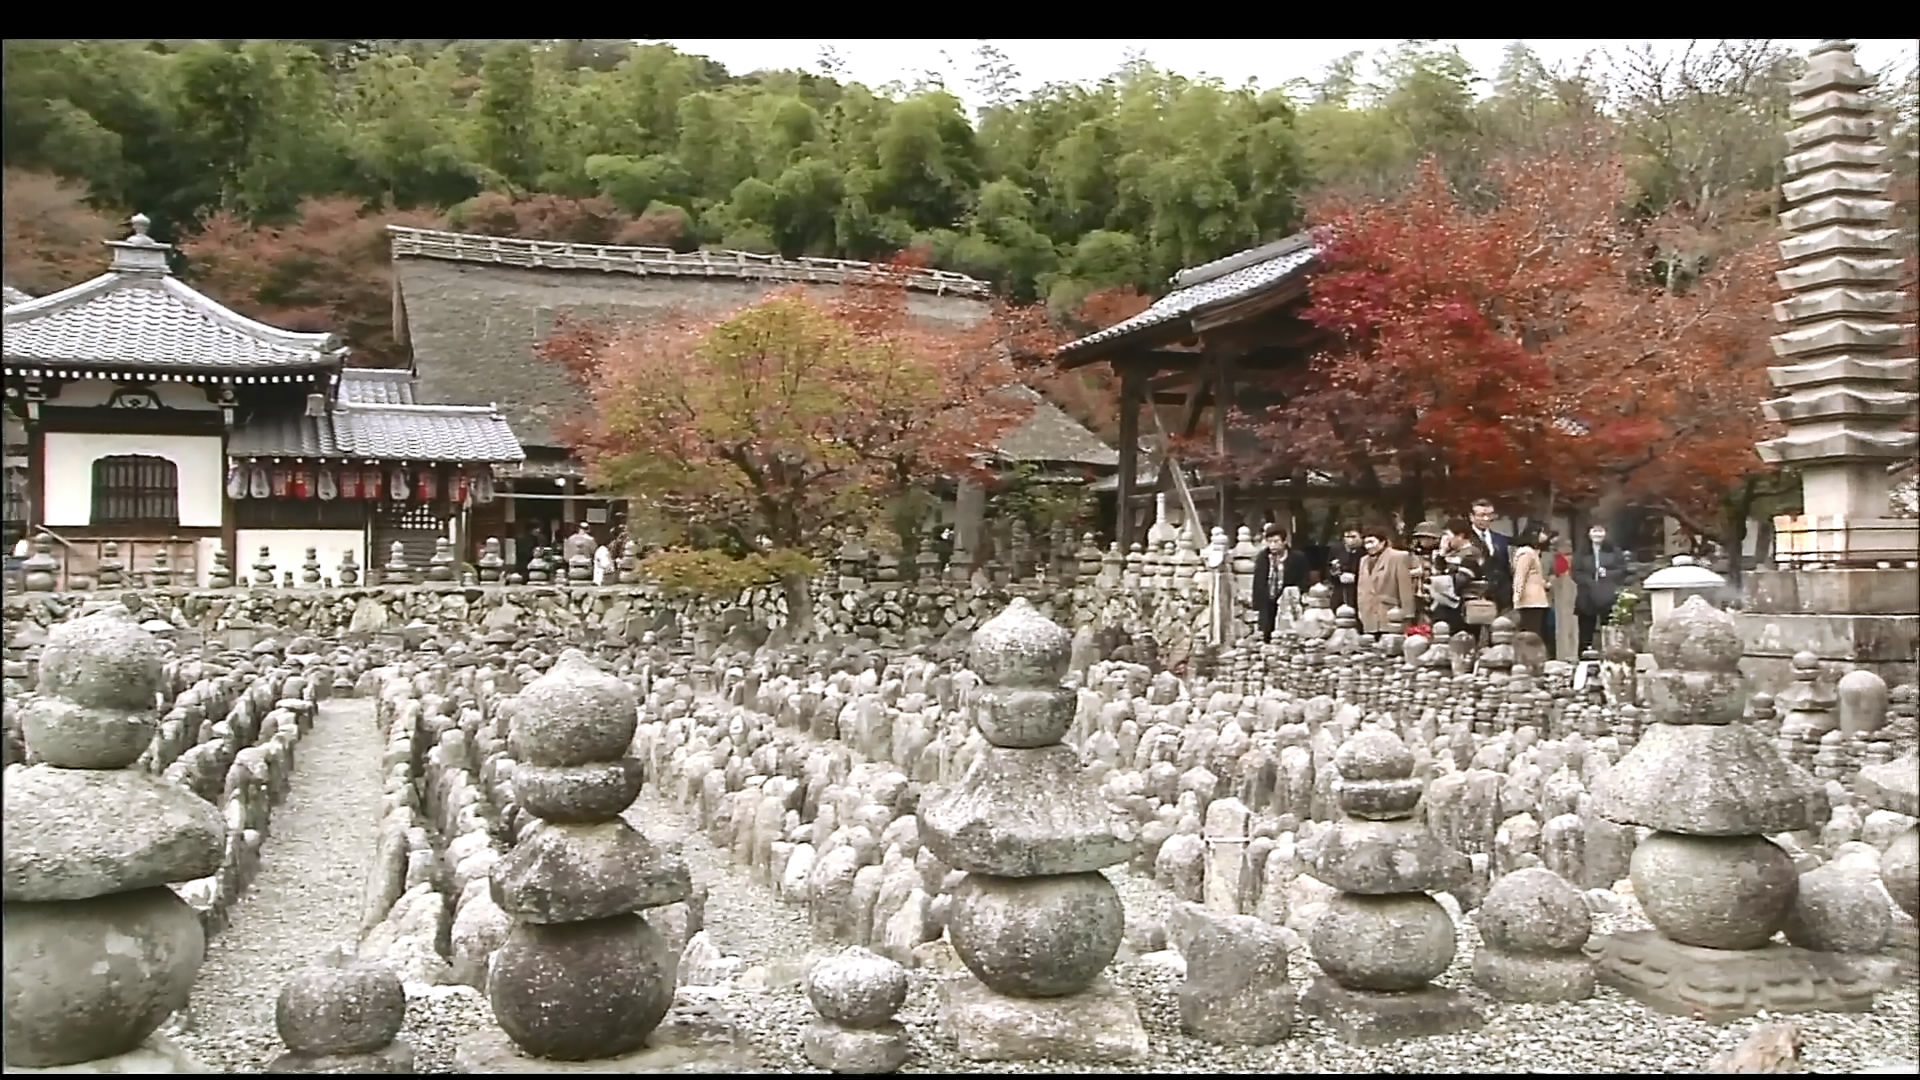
{"x":342,"y":1016}
{"x":440,"y":567}
{"x":582,"y":975}
{"x":310,"y":569}
{"x":219,"y":577}
{"x":1714,"y":887}
{"x":1034,"y":921}
{"x":397,"y":571}
{"x":490,"y":561}
{"x":263,"y":569}
{"x":856,"y":992}
{"x":99,"y":951}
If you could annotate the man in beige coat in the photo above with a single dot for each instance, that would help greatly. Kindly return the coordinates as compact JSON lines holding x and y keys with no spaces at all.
{"x":1386,"y":581}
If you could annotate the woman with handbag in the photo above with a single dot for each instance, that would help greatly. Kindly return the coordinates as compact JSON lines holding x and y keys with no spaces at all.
{"x":1456,"y":576}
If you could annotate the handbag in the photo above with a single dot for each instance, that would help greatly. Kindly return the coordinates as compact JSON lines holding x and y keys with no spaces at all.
{"x":1481,"y":611}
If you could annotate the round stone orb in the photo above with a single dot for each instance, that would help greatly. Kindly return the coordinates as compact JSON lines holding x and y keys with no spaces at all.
{"x":1398,"y":942}
{"x":340,"y":1008}
{"x":1838,"y":909}
{"x":69,"y":735}
{"x":1373,"y":753}
{"x":1900,"y":871}
{"x":578,"y":794}
{"x":579,"y":991}
{"x":1716,"y":892}
{"x":1021,"y":647}
{"x":1036,"y":937}
{"x":575,"y":714}
{"x":1534,"y":910}
{"x":857,"y":987}
{"x":104,"y":661}
{"x":1696,"y":636}
{"x":1023,"y":717}
{"x":88,"y":979}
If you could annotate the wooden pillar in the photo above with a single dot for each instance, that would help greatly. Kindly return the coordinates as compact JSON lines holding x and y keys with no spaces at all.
{"x":36,"y":476}
{"x":1133,"y":390}
{"x":1222,"y":406}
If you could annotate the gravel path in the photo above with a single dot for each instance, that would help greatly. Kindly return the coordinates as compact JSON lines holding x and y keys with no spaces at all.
{"x":306,"y":898}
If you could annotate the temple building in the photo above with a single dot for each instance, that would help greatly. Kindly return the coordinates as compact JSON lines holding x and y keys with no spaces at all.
{"x":151,"y":417}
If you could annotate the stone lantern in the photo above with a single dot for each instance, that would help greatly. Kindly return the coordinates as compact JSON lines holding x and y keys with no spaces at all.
{"x":1671,"y":586}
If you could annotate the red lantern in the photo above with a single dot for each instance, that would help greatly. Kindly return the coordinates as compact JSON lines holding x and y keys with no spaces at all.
{"x":301,"y":488}
{"x":427,"y":482}
{"x":349,"y":483}
{"x":460,"y":488}
{"x":280,"y":481}
{"x":370,"y":483}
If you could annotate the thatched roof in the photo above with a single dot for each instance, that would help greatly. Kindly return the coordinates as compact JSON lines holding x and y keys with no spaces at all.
{"x":1050,"y":435}
{"x":475,"y":308}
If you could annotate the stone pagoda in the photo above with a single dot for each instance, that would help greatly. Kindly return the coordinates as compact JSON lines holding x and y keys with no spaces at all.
{"x":1713,"y":885}
{"x":1847,"y":574}
{"x":583,"y":978}
{"x":99,"y":949}
{"x":1035,"y":920}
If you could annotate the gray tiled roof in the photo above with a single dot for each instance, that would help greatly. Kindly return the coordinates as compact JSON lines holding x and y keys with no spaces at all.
{"x":1219,"y":282}
{"x":1049,"y":434}
{"x":15,"y":296}
{"x":376,"y":386}
{"x":153,"y":322}
{"x":382,"y":432}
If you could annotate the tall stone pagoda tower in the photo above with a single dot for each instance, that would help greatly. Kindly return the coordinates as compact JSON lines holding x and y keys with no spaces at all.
{"x":1847,"y":580}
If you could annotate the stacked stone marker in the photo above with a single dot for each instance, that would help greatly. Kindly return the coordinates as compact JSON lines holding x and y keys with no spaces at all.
{"x":99,"y":951}
{"x":582,"y":975}
{"x":1895,"y":786}
{"x":1383,"y":939}
{"x":1714,"y":887}
{"x":342,"y":1016}
{"x":1034,"y":920}
{"x":856,"y":992}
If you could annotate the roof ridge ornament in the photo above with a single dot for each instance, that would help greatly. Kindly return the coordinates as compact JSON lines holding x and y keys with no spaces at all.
{"x":140,"y":253}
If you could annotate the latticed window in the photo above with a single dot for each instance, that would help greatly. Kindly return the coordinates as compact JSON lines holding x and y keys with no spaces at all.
{"x":15,"y":511}
{"x":135,"y":489}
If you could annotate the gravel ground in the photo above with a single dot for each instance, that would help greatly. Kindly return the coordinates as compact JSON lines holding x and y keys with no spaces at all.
{"x":306,"y":898}
{"x":1608,"y":1033}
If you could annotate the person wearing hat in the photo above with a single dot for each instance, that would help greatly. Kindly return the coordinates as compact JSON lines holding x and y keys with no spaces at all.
{"x":1426,"y":555}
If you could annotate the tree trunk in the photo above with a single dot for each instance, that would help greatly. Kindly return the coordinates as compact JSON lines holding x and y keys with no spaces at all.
{"x":799,"y":594}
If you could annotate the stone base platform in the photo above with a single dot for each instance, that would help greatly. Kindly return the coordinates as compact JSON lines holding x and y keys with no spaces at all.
{"x":157,"y":1055}
{"x":1719,"y":985}
{"x":1099,"y":1024}
{"x":699,"y":1035}
{"x":490,"y":1051}
{"x":1369,"y":1018}
{"x":396,"y":1059}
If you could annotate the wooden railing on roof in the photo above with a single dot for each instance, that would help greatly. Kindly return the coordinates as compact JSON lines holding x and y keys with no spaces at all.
{"x":615,"y":258}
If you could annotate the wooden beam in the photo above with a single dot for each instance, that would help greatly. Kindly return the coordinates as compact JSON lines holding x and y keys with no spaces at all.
{"x":1133,"y":391}
{"x":1197,"y":398}
{"x":1181,"y":379}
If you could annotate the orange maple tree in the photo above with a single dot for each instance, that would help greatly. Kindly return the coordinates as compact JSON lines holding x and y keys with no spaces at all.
{"x":796,"y":415}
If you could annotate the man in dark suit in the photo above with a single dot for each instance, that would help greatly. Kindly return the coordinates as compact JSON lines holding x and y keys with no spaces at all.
{"x":1499,"y":548}
{"x":1279,"y":566}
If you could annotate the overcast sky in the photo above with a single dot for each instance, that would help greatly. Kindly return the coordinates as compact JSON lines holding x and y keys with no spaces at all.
{"x":1267,"y":62}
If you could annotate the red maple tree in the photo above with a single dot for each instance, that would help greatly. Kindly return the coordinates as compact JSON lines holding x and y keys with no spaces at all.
{"x":1523,"y":342}
{"x":53,"y":237}
{"x":329,"y":269}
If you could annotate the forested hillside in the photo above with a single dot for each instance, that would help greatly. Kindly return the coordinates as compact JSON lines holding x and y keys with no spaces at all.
{"x":277,"y":162}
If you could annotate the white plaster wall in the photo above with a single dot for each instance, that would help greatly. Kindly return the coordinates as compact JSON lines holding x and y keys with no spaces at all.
{"x":69,"y":473}
{"x":288,"y":547}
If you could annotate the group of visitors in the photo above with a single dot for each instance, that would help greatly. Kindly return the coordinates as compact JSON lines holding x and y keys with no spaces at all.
{"x":1461,"y":572}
